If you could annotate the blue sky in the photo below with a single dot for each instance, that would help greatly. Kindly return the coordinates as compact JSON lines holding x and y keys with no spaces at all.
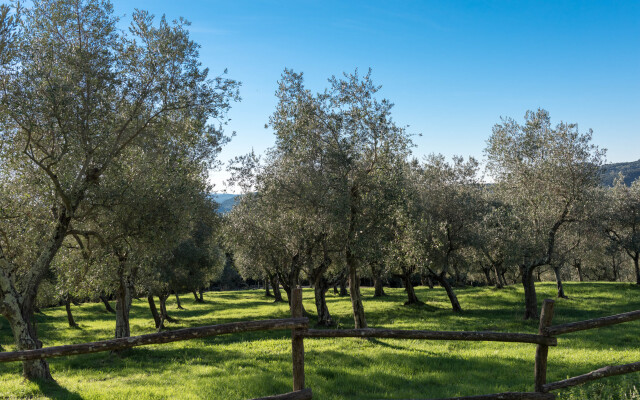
{"x":452,"y":68}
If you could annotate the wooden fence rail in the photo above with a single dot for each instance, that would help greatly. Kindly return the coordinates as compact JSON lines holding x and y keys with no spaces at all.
{"x":155,"y":338}
{"x":431,"y":335}
{"x":593,"y":323}
{"x":299,"y":327}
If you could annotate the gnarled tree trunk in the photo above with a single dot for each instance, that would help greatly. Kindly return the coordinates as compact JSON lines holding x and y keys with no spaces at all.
{"x":320,"y":287}
{"x":442,"y":280}
{"x":154,"y":312}
{"x":23,"y":328}
{"x":376,"y":273}
{"x":163,"y":308}
{"x":408,"y":286}
{"x":123,"y":307}
{"x":354,"y":291}
{"x":178,"y":303}
{"x":267,"y":292}
{"x":499,"y":279}
{"x":556,"y":270}
{"x":67,"y":306}
{"x":530,"y":302}
{"x":107,"y":306}
{"x":275,"y":284}
{"x":578,"y":266}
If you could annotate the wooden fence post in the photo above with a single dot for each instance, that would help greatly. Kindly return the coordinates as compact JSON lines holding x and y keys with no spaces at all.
{"x":542,"y":350}
{"x":297,"y":341}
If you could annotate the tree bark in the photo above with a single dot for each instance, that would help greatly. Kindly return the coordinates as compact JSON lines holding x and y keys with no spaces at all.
{"x":163,"y":308}
{"x":636,"y":262}
{"x":408,"y":286}
{"x":354,"y":291}
{"x":561,"y":294}
{"x":378,"y":288}
{"x":499,"y":283}
{"x":578,"y":266}
{"x":154,"y":312}
{"x":197,"y":298}
{"x":442,"y":280}
{"x":267,"y":292}
{"x":320,"y":287}
{"x":123,"y":307}
{"x":429,"y":282}
{"x":343,"y":287}
{"x":275,"y":284}
{"x":376,"y":273}
{"x":18,"y":307}
{"x":67,"y":306}
{"x":178,"y":304}
{"x":487,"y":275}
{"x":107,"y":306}
{"x":530,"y":299}
{"x":201,"y":294}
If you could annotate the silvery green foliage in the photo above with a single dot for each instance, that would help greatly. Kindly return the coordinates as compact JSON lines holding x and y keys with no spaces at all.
{"x":80,"y":101}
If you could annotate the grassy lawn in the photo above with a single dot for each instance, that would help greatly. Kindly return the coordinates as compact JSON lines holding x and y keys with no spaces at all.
{"x":245,"y":366}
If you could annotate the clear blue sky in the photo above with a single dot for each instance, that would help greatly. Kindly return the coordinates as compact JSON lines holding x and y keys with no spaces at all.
{"x":452,"y":68}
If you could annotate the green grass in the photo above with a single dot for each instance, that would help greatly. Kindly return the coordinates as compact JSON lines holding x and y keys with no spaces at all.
{"x":249,"y":365}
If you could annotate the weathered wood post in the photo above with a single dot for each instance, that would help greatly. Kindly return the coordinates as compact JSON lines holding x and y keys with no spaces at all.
{"x":297,"y":341}
{"x":542,"y":350}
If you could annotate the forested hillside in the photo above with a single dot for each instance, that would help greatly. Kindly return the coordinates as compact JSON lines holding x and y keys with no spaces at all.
{"x":630,"y":170}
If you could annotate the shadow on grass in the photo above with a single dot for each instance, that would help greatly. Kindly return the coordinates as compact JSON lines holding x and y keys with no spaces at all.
{"x":54,"y":391}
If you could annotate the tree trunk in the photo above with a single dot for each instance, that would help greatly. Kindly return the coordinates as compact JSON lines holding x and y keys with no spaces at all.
{"x":487,"y":276}
{"x":561,"y":294}
{"x":354,"y":291}
{"x":154,"y":312}
{"x":24,"y":334}
{"x":499,"y":284}
{"x":178,"y":304}
{"x":530,"y":299}
{"x":320,"y":287}
{"x":67,"y":306}
{"x":442,"y":280}
{"x":197,"y":298}
{"x":18,"y":307}
{"x":107,"y":306}
{"x":267,"y":292}
{"x":343,"y":286}
{"x":578,"y":266}
{"x":275,"y":284}
{"x":201,"y":294}
{"x":287,"y":290}
{"x":636,"y":262}
{"x":123,"y":307}
{"x":376,"y":273}
{"x":408,"y":286}
{"x":504,"y":280}
{"x":378,"y":288}
{"x":429,"y":282}
{"x":163,"y":308}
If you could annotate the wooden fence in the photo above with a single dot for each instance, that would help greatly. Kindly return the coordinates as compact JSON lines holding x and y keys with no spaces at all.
{"x":299,"y":327}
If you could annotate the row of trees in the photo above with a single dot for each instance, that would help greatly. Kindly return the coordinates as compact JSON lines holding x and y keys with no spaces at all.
{"x":106,"y":138}
{"x":339,"y":197}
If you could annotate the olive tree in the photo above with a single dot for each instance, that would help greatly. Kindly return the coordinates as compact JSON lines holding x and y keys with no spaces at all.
{"x":622,"y":220}
{"x":545,"y":175}
{"x":75,"y":93}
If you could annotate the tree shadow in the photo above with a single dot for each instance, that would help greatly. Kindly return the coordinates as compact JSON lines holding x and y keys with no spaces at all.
{"x":52,"y":390}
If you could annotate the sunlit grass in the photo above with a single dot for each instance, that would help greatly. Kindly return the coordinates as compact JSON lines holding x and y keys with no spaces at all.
{"x":249,"y":365}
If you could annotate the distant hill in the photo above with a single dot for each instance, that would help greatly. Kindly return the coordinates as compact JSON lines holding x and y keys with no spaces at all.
{"x":226,"y":201}
{"x":630,"y":170}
